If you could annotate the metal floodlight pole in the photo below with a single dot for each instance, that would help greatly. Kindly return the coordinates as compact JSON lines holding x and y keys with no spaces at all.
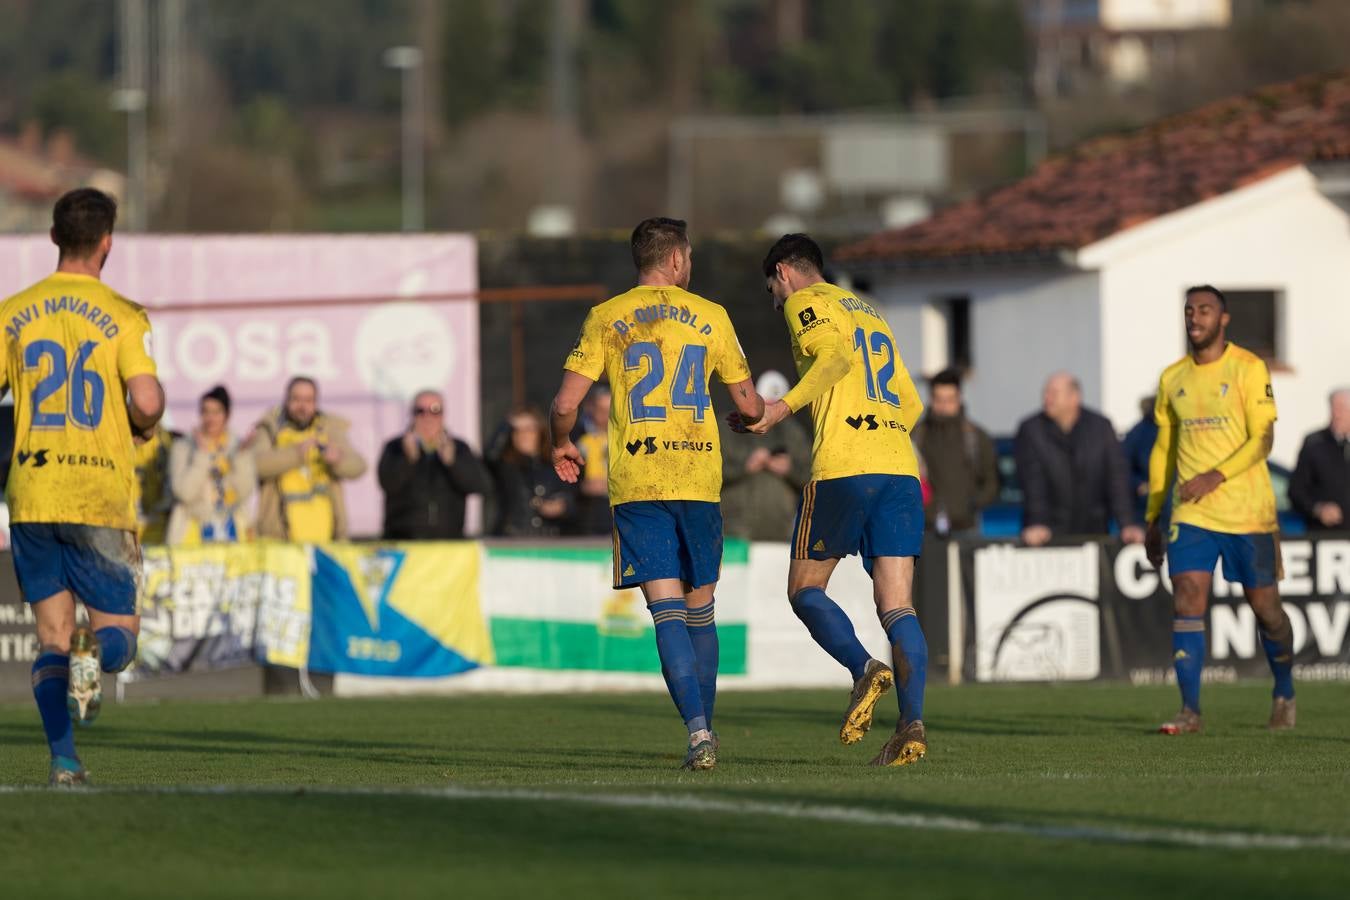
{"x":131,"y":99}
{"x":408,"y":60}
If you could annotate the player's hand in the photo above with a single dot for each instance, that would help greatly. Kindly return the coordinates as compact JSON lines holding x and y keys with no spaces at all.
{"x":332,"y":454}
{"x":567,"y":462}
{"x":737,"y":423}
{"x":1153,"y":545}
{"x":1329,"y":514}
{"x":1035,"y":535}
{"x":757,"y":460}
{"x":1132,"y":534}
{"x":774,"y":413}
{"x":1201,"y":485}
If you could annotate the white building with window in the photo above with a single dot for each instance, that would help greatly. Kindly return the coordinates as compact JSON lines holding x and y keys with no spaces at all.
{"x":1083,"y":265}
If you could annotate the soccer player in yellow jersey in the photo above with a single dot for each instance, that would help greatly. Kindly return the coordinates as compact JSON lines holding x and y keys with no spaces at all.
{"x":660,"y":345}
{"x":1216,"y":417}
{"x":77,"y":357}
{"x":864,"y":496}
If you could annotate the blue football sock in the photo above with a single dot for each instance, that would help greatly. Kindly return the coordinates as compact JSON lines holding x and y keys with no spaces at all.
{"x":117,"y":646}
{"x":831,"y":629}
{"x":678,"y":664}
{"x":703,"y":636}
{"x":1188,"y":657}
{"x":51,"y":675}
{"x":1279,"y":647}
{"x":909,"y":650}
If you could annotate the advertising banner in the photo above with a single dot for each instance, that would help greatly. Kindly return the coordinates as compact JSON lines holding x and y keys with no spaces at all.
{"x":1101,"y":611}
{"x":221,"y":606}
{"x":18,"y":636}
{"x":409,"y":610}
{"x":250,"y":311}
{"x":554,"y":607}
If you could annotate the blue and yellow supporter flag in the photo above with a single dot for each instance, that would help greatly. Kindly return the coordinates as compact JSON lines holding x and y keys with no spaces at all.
{"x":408,"y":610}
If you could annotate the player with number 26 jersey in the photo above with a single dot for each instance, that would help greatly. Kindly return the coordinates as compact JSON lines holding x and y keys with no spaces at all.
{"x":659,"y":347}
{"x":70,"y":345}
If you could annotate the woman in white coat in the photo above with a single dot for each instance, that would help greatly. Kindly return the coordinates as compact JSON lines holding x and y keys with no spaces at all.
{"x":213,"y":479}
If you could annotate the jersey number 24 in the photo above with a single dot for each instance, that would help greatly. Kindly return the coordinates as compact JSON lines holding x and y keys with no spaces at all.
{"x":688,"y":390}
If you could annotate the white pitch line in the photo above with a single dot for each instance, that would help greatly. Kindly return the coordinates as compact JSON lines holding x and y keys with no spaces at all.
{"x":849,"y":815}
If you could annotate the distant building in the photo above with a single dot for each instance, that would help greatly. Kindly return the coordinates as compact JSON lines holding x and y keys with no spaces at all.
{"x":1082,"y":264}
{"x":1117,"y":43}
{"x":34,"y":173}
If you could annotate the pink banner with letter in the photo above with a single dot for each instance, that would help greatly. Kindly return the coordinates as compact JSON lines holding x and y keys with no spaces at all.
{"x":372,"y":318}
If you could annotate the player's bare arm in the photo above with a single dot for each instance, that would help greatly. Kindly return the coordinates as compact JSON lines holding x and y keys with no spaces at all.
{"x":562,"y":419}
{"x":146,"y":406}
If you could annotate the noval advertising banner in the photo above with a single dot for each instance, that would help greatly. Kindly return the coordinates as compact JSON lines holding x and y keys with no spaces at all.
{"x":1101,"y":611}
{"x":368,"y":358}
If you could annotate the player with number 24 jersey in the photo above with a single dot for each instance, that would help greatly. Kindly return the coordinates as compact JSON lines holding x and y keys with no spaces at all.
{"x":659,"y":346}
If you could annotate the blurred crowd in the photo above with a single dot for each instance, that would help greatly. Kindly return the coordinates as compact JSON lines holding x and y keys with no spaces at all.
{"x":284,"y":479}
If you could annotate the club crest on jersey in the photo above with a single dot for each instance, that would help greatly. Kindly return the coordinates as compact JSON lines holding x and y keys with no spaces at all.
{"x":1223,"y":389}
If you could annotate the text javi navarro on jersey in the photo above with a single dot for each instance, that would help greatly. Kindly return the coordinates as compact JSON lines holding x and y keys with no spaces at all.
{"x":70,"y":343}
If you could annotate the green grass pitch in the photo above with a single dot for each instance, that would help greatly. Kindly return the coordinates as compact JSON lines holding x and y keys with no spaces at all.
{"x":1040,"y":791}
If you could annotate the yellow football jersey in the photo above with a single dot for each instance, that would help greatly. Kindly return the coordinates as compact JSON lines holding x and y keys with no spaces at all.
{"x":862,"y":421}
{"x":1217,"y":416}
{"x":71,"y":343}
{"x":659,"y":347}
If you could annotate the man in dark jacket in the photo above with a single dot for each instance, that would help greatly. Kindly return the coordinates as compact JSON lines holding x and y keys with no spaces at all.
{"x":958,"y":457}
{"x":1320,"y":488}
{"x":426,"y":475}
{"x":1073,"y":473}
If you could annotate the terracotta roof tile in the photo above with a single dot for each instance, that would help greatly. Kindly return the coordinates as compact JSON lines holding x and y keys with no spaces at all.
{"x":1111,"y":183}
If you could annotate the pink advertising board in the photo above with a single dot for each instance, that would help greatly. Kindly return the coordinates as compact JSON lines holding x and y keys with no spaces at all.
{"x":250,"y":311}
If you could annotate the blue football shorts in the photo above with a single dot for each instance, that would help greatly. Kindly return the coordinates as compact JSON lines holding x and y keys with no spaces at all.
{"x":873,"y":515}
{"x":100,"y":566}
{"x":667,"y":539}
{"x":1251,"y":560}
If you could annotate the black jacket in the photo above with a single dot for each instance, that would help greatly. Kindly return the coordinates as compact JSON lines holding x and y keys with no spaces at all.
{"x":1073,"y":483}
{"x":1322,"y":475}
{"x":424,"y":499}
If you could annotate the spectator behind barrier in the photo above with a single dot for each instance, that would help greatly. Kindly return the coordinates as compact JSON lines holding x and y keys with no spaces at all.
{"x":532,"y":501}
{"x":1137,"y":447}
{"x":426,"y":475}
{"x":1073,"y":473}
{"x":763,"y":476}
{"x":591,"y":437}
{"x":1320,"y":487}
{"x":213,"y":479}
{"x":303,"y":456}
{"x":958,"y":459}
{"x":154,"y":493}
